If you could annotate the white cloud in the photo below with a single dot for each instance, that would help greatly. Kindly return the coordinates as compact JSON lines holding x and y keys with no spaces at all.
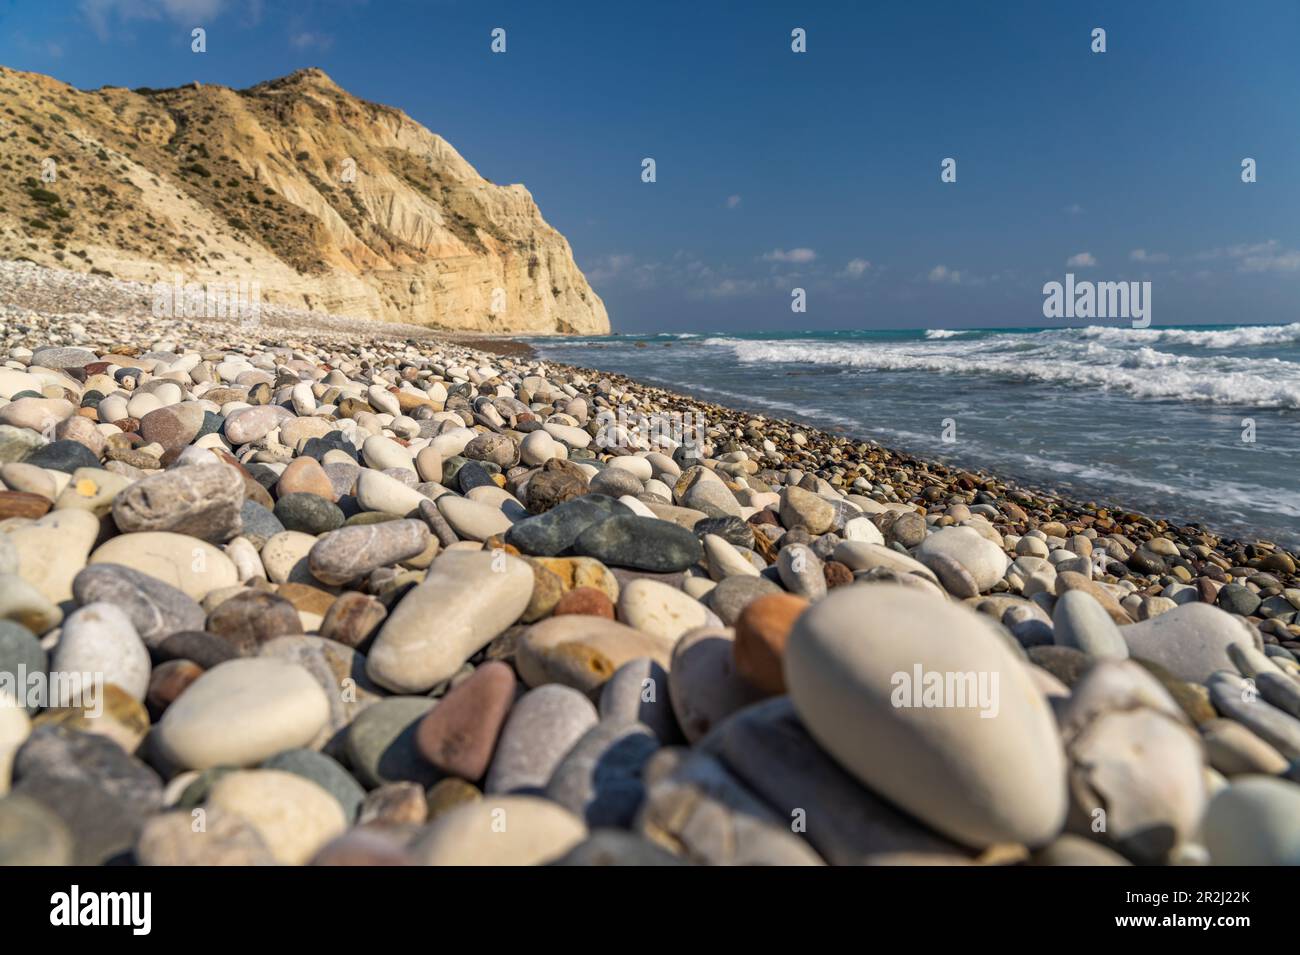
{"x":1142,"y":255}
{"x":1270,"y":256}
{"x":1074,"y":209}
{"x":100,"y":13}
{"x":797,"y":256}
{"x":727,"y":288}
{"x":941,"y":274}
{"x":733,"y":202}
{"x":311,"y":41}
{"x":856,"y":268}
{"x":1081,"y":260}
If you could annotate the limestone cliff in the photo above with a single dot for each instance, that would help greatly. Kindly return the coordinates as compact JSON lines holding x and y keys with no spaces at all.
{"x":326,"y":201}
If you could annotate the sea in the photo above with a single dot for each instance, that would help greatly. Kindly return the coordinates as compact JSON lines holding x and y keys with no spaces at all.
{"x":1192,"y":424}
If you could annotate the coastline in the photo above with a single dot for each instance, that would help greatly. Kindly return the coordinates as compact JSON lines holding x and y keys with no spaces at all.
{"x":834,"y":435}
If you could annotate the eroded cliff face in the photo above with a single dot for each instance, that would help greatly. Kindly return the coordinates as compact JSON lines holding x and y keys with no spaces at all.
{"x":326,"y":201}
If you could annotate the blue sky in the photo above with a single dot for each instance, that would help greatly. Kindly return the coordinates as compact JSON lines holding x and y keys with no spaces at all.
{"x":819,"y":170}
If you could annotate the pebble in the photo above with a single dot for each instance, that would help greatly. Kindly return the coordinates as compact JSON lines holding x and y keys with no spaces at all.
{"x":1079,"y":621}
{"x":1191,"y":641}
{"x":26,"y":606}
{"x":503,"y":830}
{"x":225,"y":839}
{"x":555,"y":531}
{"x":983,"y":560}
{"x":1254,"y":821}
{"x":100,"y":639}
{"x":638,"y":693}
{"x":704,"y":686}
{"x":324,"y":772}
{"x":542,"y":727}
{"x":382,"y":743}
{"x":307,"y":514}
{"x":31,"y":835}
{"x":471,"y":520}
{"x":155,"y":608}
{"x":769,"y":751}
{"x":190,"y":565}
{"x":662,"y":611}
{"x":241,"y":712}
{"x":599,"y":780}
{"x":583,"y":652}
{"x":761,"y":634}
{"x":474,"y":596}
{"x":249,"y":619}
{"x":294,"y":816}
{"x":853,"y":658}
{"x":460,"y":734}
{"x":20,"y":652}
{"x":640,"y":543}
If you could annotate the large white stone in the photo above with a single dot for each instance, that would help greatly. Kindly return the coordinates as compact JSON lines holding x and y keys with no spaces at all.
{"x":984,"y":768}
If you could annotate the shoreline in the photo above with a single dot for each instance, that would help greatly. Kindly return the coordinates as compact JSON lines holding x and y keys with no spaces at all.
{"x":912,"y":459}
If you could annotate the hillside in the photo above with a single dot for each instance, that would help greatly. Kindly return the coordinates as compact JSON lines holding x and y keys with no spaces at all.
{"x":254,"y":185}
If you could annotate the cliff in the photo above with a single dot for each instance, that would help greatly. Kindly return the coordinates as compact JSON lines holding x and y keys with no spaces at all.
{"x":328,"y":202}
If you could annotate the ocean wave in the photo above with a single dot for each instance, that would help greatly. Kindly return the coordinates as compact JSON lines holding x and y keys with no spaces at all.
{"x":1242,"y":337}
{"x":1142,"y":373}
{"x":936,"y":334}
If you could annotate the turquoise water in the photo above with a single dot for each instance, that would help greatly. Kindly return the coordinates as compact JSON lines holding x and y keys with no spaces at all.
{"x":1150,"y":419}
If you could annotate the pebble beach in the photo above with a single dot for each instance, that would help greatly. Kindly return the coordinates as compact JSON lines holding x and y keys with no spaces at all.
{"x":348,"y":593}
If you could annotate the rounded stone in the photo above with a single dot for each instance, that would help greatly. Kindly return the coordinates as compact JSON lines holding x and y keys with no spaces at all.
{"x":584,"y":600}
{"x":501,"y":830}
{"x":638,"y":693}
{"x":171,"y":839}
{"x":473,"y":596}
{"x":381,"y":743}
{"x":352,"y":552}
{"x":640,"y":543}
{"x":293,"y":815}
{"x":1079,"y":621}
{"x":305,"y":475}
{"x":583,"y":651}
{"x":600,"y":779}
{"x":982,"y":770}
{"x":761,"y":634}
{"x":20,"y":654}
{"x":460,"y":734}
{"x":541,"y":728}
{"x":983,"y":560}
{"x":100,"y":639}
{"x":31,"y":835}
{"x":156,"y":609}
{"x":1192,"y":641}
{"x":1254,"y":821}
{"x":200,"y":500}
{"x":324,"y":772}
{"x":190,"y":565}
{"x":703,"y":684}
{"x":662,"y":611}
{"x":242,"y":712}
{"x":248,"y":620}
{"x":307,"y":513}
